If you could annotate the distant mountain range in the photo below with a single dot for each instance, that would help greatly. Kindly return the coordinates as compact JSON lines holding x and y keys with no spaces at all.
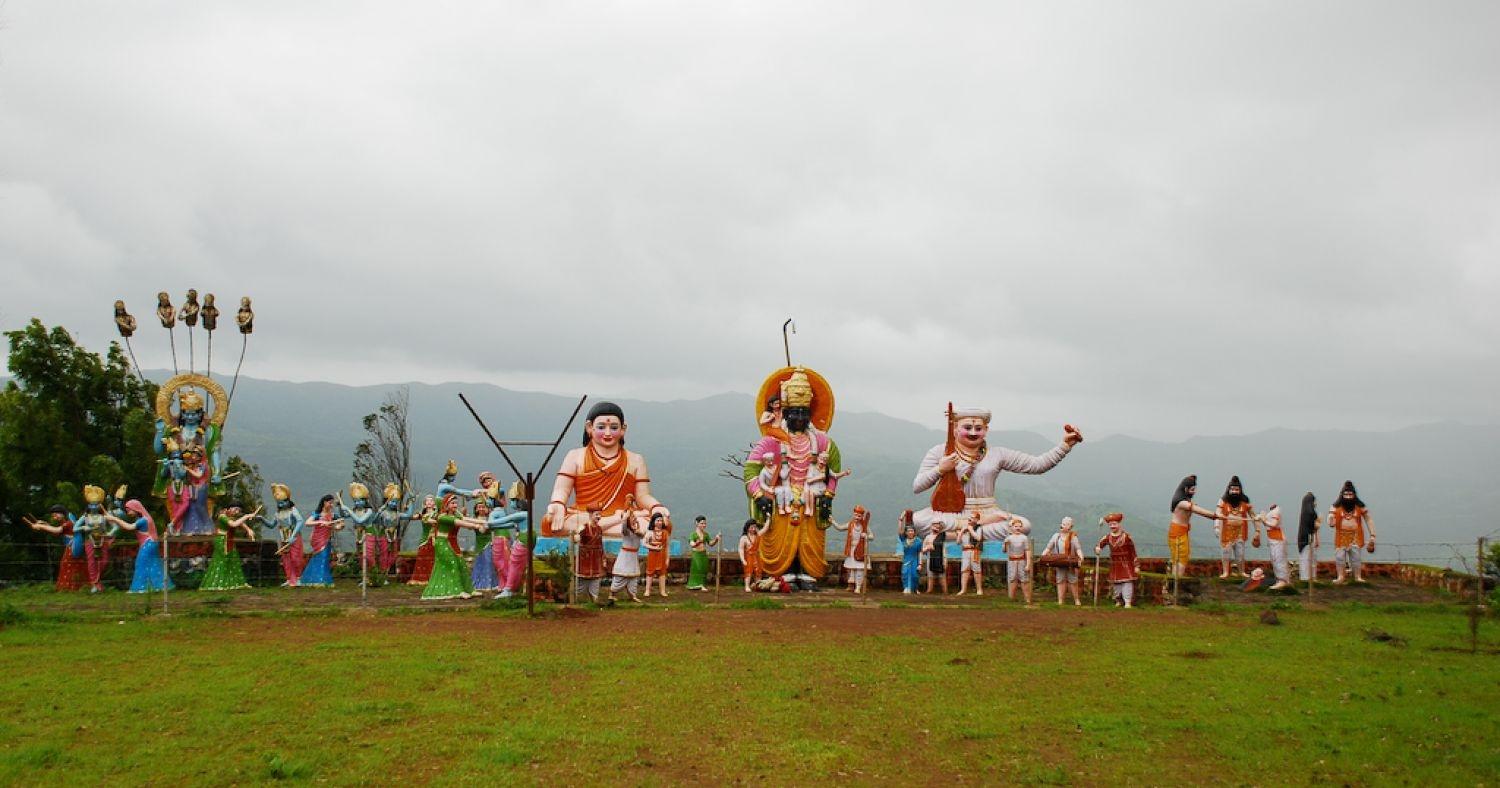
{"x":1425,"y":485}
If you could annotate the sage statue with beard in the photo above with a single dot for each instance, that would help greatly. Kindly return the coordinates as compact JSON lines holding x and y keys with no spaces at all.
{"x":975,"y":467}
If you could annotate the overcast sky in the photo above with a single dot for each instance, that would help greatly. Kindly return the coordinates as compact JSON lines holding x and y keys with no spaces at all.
{"x":1163,"y":219}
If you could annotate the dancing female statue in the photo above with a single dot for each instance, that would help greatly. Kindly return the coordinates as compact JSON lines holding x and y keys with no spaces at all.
{"x":449,"y":580}
{"x":319,"y":570}
{"x":72,"y":570}
{"x":225,"y":570}
{"x":791,"y":540}
{"x":511,"y":521}
{"x":150,"y":574}
{"x":965,"y":471}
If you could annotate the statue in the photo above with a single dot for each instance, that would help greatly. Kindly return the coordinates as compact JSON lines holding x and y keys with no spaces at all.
{"x":366,"y":538}
{"x":189,"y":311}
{"x":164,"y":311}
{"x":187,"y":444}
{"x":799,"y":409}
{"x":124,"y":321}
{"x":511,"y":521}
{"x":389,"y":519}
{"x":603,"y":476}
{"x":245,"y":318}
{"x":94,"y":528}
{"x":210,"y":314}
{"x":288,"y":524}
{"x":966,"y":464}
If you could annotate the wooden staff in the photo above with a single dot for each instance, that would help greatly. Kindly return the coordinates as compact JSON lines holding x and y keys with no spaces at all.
{"x":1098,"y":554}
{"x":718,"y":562}
{"x":573,"y":584}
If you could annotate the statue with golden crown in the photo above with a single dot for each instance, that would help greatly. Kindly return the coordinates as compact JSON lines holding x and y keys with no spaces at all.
{"x":187,"y":447}
{"x":792,"y":473}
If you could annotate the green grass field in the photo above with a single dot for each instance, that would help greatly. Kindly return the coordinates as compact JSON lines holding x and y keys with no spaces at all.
{"x":663,"y":695}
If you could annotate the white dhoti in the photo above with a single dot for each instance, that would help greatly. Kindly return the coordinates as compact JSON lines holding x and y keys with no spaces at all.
{"x":979,"y":490}
{"x":1278,"y":561}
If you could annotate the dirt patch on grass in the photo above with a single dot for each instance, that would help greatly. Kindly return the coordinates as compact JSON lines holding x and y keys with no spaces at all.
{"x":1196,"y":655}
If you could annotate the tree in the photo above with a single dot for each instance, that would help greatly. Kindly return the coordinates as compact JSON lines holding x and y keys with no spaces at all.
{"x":242,"y":484}
{"x":68,"y":417}
{"x":385,"y":455}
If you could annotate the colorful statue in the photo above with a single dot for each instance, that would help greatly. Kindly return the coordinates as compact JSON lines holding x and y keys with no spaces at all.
{"x":964,"y":471}
{"x":603,"y":476}
{"x":150,"y":571}
{"x":389,"y":520}
{"x":365,"y":534}
{"x":484,"y":573}
{"x":449,"y":580}
{"x":422,"y":570}
{"x":225,"y":570}
{"x":94,"y":528}
{"x":1353,"y":530}
{"x":192,"y":435}
{"x":72,"y":570}
{"x":288,"y":525}
{"x":698,"y":545}
{"x":490,"y":552}
{"x":791,"y":541}
{"x":513,"y":520}
{"x":319,"y":570}
{"x":1124,"y":566}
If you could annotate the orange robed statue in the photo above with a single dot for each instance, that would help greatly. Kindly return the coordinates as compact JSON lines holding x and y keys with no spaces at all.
{"x":796,"y":457}
{"x":601,"y":476}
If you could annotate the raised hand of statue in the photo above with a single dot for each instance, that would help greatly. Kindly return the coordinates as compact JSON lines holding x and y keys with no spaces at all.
{"x":557,"y":513}
{"x":948,"y":463}
{"x":1071,"y":435}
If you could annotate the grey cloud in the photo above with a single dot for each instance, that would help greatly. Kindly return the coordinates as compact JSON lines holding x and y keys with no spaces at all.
{"x":1166,"y":218}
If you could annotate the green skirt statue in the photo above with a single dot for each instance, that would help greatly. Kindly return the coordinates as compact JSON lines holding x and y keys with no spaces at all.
{"x":224,"y":573}
{"x":450,"y":578}
{"x":698,"y":572}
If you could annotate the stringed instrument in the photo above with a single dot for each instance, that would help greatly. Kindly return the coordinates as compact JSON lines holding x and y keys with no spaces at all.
{"x":948,"y":497}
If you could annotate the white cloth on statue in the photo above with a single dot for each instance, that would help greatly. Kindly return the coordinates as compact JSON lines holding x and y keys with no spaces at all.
{"x":979,"y":492}
{"x":1307,"y":562}
{"x":628,"y":562}
{"x":1278,"y":561}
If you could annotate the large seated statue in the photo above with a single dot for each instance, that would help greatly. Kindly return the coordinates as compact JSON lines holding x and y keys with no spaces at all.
{"x":964,"y":471}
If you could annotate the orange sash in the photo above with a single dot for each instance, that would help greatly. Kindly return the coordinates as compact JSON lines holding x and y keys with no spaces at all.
{"x":1348,"y":535}
{"x":603,"y":484}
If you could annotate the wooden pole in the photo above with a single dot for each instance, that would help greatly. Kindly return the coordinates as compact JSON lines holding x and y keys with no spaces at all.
{"x":364,"y":570}
{"x":164,"y":576}
{"x":573,"y":582}
{"x":718,"y":563}
{"x":1312,"y":573}
{"x":530,"y":545}
{"x":1098,"y":554}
